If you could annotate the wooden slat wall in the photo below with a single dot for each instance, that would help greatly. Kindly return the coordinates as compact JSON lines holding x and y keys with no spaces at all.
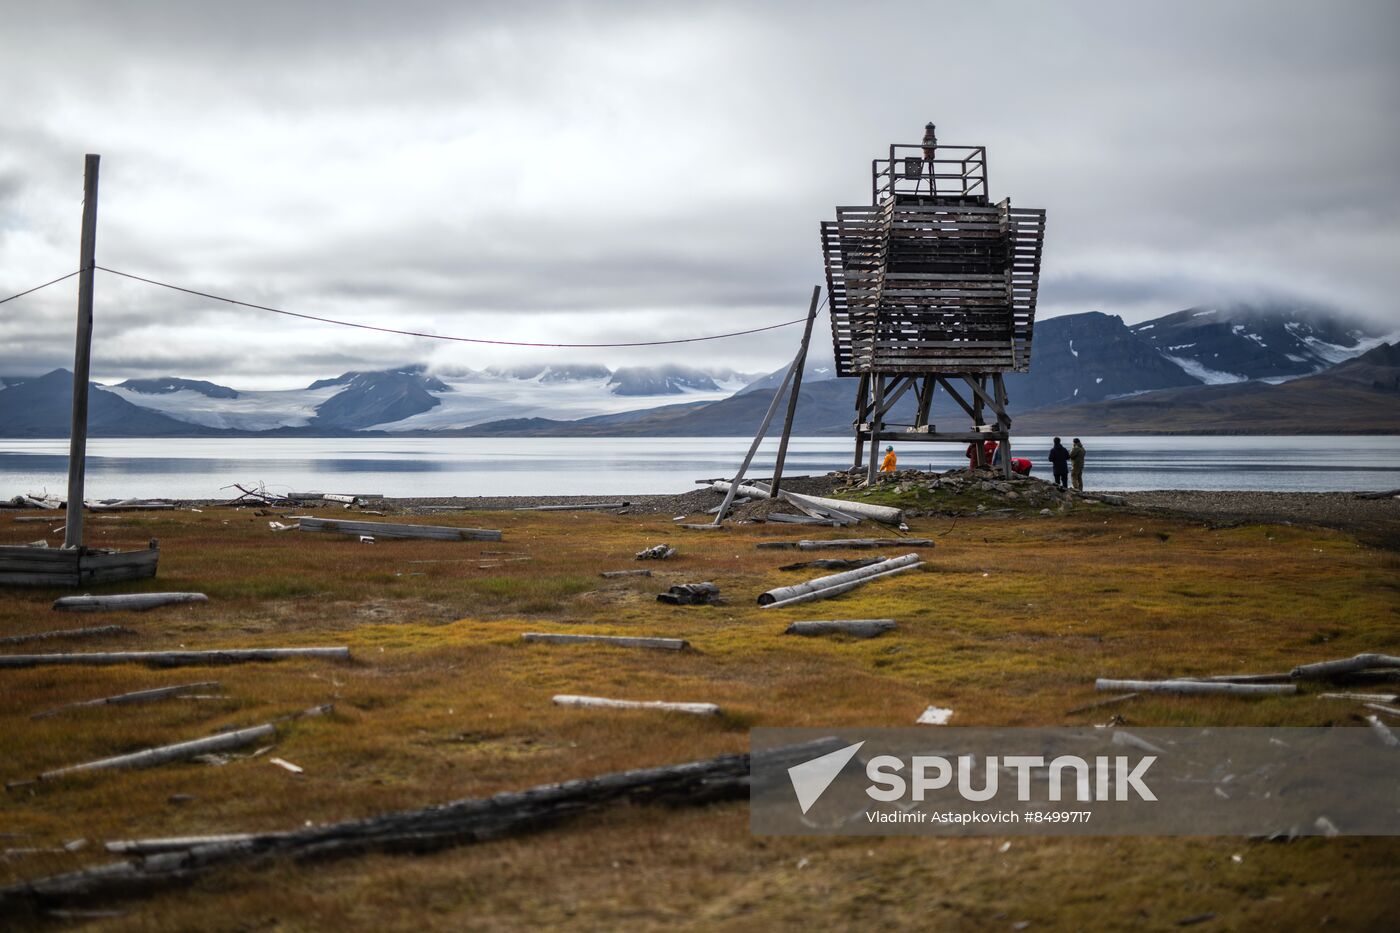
{"x":920,"y":283}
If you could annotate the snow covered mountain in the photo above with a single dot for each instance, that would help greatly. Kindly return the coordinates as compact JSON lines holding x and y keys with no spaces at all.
{"x":410,"y":399}
{"x":1224,"y":344}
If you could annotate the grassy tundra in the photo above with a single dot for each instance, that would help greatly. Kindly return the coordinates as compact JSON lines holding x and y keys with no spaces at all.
{"x":1008,"y":625}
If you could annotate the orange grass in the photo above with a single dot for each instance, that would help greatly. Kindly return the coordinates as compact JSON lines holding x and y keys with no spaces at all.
{"x":1008,"y":625}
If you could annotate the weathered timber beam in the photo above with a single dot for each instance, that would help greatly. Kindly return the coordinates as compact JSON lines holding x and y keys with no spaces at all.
{"x":175,"y":658}
{"x":137,"y":696}
{"x":860,"y":628}
{"x":180,"y":751}
{"x":621,"y":641}
{"x":1194,"y":687}
{"x":460,"y":822}
{"x":697,"y":709}
{"x":1361,"y":662}
{"x":125,"y":602}
{"x":97,"y":632}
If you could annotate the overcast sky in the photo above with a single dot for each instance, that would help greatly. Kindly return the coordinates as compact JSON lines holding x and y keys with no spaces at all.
{"x":593,"y":172}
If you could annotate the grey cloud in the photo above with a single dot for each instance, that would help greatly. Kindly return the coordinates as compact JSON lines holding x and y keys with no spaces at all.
{"x":603,"y":171}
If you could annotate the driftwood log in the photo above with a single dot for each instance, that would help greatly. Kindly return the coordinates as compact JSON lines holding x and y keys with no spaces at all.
{"x":1112,"y":701}
{"x":96,"y":632}
{"x":854,"y":544}
{"x":1194,"y":687}
{"x":833,"y":563}
{"x":180,"y":751}
{"x":460,"y":822}
{"x":125,"y":602}
{"x":175,"y":658}
{"x":614,"y":574}
{"x":138,"y":696}
{"x":578,"y":507}
{"x":698,"y":709}
{"x":394,"y":530}
{"x":621,"y":641}
{"x":845,"y":508}
{"x":1324,"y":670}
{"x":860,"y":628}
{"x":836,"y":583}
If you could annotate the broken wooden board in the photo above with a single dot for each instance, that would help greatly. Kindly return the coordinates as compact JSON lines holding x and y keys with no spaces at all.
{"x":394,"y":530}
{"x":136,"y":696}
{"x":696,"y":709}
{"x":862,"y":543}
{"x":98,"y":632}
{"x":125,"y":602}
{"x":621,"y":641}
{"x":64,"y":567}
{"x":808,"y":589}
{"x":859,"y":628}
{"x":1324,"y":670}
{"x":180,"y":751}
{"x":1194,"y":687}
{"x":176,"y":658}
{"x":459,"y":822}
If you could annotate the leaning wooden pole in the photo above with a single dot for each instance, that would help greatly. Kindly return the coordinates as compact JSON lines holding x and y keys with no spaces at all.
{"x":757,"y":440}
{"x":793,"y":393}
{"x":82,"y":358}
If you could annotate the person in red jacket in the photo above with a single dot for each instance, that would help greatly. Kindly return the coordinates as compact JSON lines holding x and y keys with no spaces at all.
{"x":989,"y":452}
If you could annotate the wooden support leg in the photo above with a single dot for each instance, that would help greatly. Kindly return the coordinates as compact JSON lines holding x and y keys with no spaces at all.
{"x":1003,"y":422}
{"x":862,"y":410}
{"x":979,"y":455}
{"x":876,"y":404}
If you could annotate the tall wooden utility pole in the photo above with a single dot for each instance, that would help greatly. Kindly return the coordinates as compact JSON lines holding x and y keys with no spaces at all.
{"x":82,"y":358}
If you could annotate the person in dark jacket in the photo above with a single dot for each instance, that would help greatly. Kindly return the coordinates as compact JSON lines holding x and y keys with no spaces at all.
{"x":1076,"y":465}
{"x":1059,"y":461}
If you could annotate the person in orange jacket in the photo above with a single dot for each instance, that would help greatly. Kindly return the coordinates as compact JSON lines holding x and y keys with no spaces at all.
{"x":888,"y":464}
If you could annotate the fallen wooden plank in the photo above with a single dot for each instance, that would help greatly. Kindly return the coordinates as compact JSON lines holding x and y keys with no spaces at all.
{"x":175,"y":658}
{"x":125,"y":602}
{"x":578,"y":507}
{"x":784,"y":593}
{"x":1382,"y":708}
{"x":621,"y":641}
{"x":394,"y":530}
{"x":848,"y":508}
{"x":1112,"y":701}
{"x":698,"y":527}
{"x":697,"y":709}
{"x":834,"y":563}
{"x":171,"y":843}
{"x":138,"y":696}
{"x":180,"y":751}
{"x":614,"y":574}
{"x":1194,"y":687}
{"x":1364,"y":697}
{"x":97,"y":632}
{"x":838,"y":589}
{"x":862,"y":543}
{"x":1244,"y":678}
{"x":1361,"y":662}
{"x":860,"y":628}
{"x":130,"y":505}
{"x":782,"y":519}
{"x":428,"y":829}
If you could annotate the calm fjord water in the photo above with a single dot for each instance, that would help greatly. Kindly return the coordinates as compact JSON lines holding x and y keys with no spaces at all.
{"x":196,"y":468}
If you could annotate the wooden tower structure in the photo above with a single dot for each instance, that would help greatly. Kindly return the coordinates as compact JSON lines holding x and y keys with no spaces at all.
{"x":932,"y":285}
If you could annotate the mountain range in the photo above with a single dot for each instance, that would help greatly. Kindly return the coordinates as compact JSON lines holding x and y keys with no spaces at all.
{"x":1233,"y":369}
